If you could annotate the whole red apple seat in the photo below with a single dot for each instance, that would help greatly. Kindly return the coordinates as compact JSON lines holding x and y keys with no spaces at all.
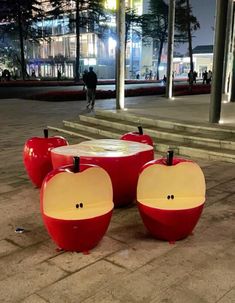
{"x":77,"y":206}
{"x":138,"y":136}
{"x":170,"y":197}
{"x":37,"y":156}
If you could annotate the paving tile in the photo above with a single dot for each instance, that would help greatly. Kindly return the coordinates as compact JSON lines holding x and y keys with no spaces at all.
{"x":82,"y":284}
{"x":177,"y":294}
{"x":214,"y":279}
{"x":27,"y":282}
{"x":229,"y":297}
{"x":140,"y":253}
{"x":72,"y":261}
{"x":6,"y":248}
{"x":134,"y":288}
{"x":33,"y":299}
{"x":214,"y":195}
{"x":29,"y":257}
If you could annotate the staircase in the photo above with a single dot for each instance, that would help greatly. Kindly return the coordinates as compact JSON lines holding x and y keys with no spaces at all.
{"x":193,"y":140}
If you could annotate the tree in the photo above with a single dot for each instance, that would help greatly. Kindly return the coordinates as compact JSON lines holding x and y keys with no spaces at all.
{"x":17,"y":19}
{"x":155,"y":25}
{"x":186,"y":24}
{"x":88,"y":13}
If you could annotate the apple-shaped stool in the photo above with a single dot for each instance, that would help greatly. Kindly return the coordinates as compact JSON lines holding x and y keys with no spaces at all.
{"x":121,"y":159}
{"x":138,"y":137}
{"x":37,"y":156}
{"x":171,"y":195}
{"x":76,"y":205}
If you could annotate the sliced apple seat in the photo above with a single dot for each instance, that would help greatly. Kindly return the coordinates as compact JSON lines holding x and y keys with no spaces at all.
{"x":77,"y":206}
{"x":171,"y":198}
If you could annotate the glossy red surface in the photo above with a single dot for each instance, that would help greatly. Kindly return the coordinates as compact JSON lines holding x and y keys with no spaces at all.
{"x":37,"y":157}
{"x":123,"y":172}
{"x":136,"y":137}
{"x":170,"y":225}
{"x":77,"y":235}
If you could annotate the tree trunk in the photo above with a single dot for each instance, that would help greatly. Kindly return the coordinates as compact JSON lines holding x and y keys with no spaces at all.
{"x":159,"y":57}
{"x":22,"y":58}
{"x":77,"y":62}
{"x":190,"y":49}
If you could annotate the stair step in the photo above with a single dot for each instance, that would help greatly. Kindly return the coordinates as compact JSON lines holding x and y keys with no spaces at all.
{"x":157,"y":122}
{"x":218,"y":139}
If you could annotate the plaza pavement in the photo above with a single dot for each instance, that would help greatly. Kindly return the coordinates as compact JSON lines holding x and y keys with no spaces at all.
{"x":128,"y":265}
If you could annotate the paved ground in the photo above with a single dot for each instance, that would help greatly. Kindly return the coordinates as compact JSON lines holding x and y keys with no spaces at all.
{"x":128,"y":265}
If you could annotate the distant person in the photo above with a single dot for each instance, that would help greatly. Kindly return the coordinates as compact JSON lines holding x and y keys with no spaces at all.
{"x":190,"y":77}
{"x":84,"y":79}
{"x":33,"y":75}
{"x":6,"y":75}
{"x":209,"y":77}
{"x":59,"y":75}
{"x":164,"y":79}
{"x":91,"y":83}
{"x":195,"y":77}
{"x":204,"y":77}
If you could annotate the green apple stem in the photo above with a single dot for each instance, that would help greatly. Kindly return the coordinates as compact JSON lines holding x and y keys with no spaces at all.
{"x":45,"y":133}
{"x":140,"y":128}
{"x":169,"y":159}
{"x":76,"y":163}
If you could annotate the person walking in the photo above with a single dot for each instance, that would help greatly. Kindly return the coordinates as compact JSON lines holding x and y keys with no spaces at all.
{"x":91,"y":83}
{"x":204,"y":77}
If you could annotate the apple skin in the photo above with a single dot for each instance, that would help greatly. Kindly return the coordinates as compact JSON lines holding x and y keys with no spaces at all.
{"x":169,"y":225}
{"x":37,"y":157}
{"x":74,"y":235}
{"x":137,"y":137}
{"x":123,"y":172}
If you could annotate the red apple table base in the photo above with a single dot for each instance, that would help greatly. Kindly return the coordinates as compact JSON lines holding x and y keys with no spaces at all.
{"x":37,"y":156}
{"x":77,"y":206}
{"x":121,"y":159}
{"x":171,"y":197}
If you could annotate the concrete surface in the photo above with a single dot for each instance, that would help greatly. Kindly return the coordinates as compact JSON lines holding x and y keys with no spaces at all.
{"x":128,"y":265}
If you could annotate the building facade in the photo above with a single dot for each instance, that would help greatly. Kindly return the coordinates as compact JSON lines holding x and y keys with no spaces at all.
{"x":57,"y":48}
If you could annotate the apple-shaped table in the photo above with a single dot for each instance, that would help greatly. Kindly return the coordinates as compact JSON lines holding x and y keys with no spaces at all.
{"x":76,"y":205}
{"x":121,"y":159}
{"x":37,"y":156}
{"x":138,"y":137}
{"x":171,"y":195}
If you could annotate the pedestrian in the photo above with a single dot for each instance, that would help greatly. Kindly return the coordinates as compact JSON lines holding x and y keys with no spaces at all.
{"x":164,"y":79}
{"x":195,"y":77}
{"x":84,"y":78}
{"x":209,"y":77}
{"x":58,"y":75}
{"x":204,"y":77}
{"x":190,"y":77}
{"x":33,"y":74}
{"x":91,"y":83}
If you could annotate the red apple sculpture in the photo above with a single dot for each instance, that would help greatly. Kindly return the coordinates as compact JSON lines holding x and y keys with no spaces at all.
{"x":170,"y":195}
{"x":76,"y":205}
{"x":37,"y":156}
{"x":138,"y":137}
{"x":121,"y":159}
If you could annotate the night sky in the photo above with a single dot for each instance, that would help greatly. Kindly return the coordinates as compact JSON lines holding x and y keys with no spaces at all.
{"x":204,"y":10}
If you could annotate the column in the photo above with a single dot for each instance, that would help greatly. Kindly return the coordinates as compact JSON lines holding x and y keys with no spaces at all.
{"x":120,"y":55}
{"x":218,"y":61}
{"x":170,"y":48}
